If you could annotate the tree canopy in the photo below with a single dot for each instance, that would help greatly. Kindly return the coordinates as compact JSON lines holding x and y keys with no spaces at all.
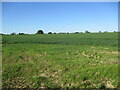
{"x":40,"y":32}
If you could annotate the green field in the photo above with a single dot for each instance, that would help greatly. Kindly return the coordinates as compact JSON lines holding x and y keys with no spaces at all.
{"x":85,"y":60}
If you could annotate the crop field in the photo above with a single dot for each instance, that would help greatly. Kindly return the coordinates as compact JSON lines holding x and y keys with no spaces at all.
{"x":84,"y":60}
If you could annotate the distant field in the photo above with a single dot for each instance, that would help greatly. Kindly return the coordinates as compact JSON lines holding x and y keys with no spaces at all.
{"x":109,"y":39}
{"x":86,"y":60}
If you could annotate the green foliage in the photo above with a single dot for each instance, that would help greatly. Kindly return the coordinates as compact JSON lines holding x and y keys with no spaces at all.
{"x":40,"y":32}
{"x":13,"y":33}
{"x":76,"y":32}
{"x":49,"y":32}
{"x":21,"y":33}
{"x":87,"y":31}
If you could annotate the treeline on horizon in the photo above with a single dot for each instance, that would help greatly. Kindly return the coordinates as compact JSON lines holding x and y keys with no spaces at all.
{"x":42,"y":32}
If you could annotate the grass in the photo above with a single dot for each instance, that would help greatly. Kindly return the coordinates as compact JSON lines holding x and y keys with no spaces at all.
{"x":87,"y":60}
{"x":109,"y":39}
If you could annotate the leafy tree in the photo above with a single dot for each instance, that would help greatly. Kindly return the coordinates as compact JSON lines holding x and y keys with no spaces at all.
{"x":40,"y":32}
{"x":54,"y":33}
{"x":76,"y":32}
{"x":49,"y":32}
{"x":13,"y":33}
{"x":21,"y":33}
{"x":2,"y":34}
{"x":87,"y":31}
{"x":61,"y":33}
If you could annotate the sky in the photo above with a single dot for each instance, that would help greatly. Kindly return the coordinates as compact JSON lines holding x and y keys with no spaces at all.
{"x":29,"y":17}
{"x":60,"y":0}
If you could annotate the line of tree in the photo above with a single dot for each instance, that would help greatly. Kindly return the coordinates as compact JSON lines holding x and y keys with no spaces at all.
{"x":42,"y":32}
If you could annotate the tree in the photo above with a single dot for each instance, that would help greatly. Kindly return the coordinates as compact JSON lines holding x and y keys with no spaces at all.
{"x":2,"y":34}
{"x":76,"y":32}
{"x":13,"y":33}
{"x":49,"y":32}
{"x":54,"y":33}
{"x":21,"y":33}
{"x":40,"y":32}
{"x":87,"y":31}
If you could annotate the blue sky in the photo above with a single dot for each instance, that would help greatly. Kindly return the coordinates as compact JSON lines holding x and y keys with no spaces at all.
{"x":28,"y":17}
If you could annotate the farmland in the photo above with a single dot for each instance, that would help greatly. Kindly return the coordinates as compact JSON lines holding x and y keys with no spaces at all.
{"x":84,"y":60}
